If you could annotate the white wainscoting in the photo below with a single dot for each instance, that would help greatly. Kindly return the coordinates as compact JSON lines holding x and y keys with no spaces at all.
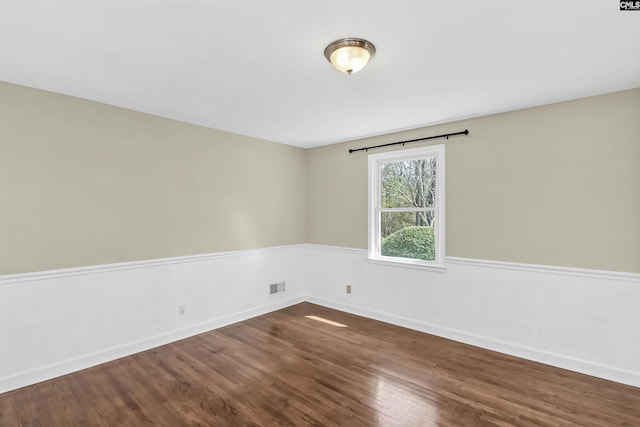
{"x":56,"y":322}
{"x":583,"y":320}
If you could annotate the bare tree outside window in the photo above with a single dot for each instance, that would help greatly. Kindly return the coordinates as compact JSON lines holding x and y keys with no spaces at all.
{"x":409,"y":189}
{"x":408,"y":184}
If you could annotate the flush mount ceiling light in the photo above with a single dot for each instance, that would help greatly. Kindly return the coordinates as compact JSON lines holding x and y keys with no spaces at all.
{"x":350,"y":55}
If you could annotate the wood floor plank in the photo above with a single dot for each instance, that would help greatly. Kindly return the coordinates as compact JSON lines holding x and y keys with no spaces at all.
{"x":285,"y":368}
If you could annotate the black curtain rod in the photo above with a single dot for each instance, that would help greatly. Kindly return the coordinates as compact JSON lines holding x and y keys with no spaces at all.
{"x":444,"y":135}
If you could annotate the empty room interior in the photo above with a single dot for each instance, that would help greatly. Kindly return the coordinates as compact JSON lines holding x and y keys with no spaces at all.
{"x":347,"y":213}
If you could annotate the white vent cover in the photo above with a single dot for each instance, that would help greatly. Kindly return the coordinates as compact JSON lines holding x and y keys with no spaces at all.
{"x":276,"y":288}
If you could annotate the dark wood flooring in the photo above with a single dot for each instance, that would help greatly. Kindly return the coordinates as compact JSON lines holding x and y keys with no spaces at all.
{"x":287,"y":369}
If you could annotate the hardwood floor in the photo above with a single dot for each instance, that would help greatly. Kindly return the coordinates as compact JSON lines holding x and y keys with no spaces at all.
{"x":284,"y":368}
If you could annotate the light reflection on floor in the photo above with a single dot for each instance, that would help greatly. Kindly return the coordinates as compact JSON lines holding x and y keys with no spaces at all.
{"x":330,"y":322}
{"x":397,"y":405}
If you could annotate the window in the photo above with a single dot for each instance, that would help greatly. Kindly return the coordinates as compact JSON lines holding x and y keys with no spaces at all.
{"x":406,"y":206}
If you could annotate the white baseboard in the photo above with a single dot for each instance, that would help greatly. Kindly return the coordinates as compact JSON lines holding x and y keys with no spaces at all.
{"x":68,"y":366}
{"x":536,"y":355}
{"x":60,"y":321}
{"x":578,"y":319}
{"x":57,"y":322}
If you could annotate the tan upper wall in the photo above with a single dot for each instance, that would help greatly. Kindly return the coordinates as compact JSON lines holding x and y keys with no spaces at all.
{"x":555,"y":185}
{"x":83,"y":183}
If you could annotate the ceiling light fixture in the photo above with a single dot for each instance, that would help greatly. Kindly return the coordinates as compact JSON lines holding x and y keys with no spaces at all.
{"x":350,"y":55}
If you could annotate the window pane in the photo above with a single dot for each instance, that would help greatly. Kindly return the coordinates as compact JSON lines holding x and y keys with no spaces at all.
{"x":409,"y":183}
{"x":401,"y":237}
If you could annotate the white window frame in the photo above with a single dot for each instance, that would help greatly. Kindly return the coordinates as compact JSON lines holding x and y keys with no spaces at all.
{"x":374,"y":201}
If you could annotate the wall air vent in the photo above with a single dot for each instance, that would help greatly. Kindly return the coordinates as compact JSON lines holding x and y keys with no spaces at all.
{"x":276,"y":288}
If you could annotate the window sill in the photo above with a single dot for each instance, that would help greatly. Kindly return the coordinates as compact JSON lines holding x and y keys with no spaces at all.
{"x":408,"y":263}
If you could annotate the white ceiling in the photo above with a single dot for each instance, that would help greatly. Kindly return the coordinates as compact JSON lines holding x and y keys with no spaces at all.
{"x":257,"y":67}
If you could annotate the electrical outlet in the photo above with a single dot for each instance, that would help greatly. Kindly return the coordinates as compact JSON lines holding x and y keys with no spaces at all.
{"x":182,"y":310}
{"x":348,"y":289}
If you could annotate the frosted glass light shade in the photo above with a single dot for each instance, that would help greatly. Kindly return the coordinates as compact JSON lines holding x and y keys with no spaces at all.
{"x":350,"y":55}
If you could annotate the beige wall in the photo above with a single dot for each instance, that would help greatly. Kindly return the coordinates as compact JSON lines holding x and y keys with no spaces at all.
{"x":555,"y":185}
{"x":82,"y":183}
